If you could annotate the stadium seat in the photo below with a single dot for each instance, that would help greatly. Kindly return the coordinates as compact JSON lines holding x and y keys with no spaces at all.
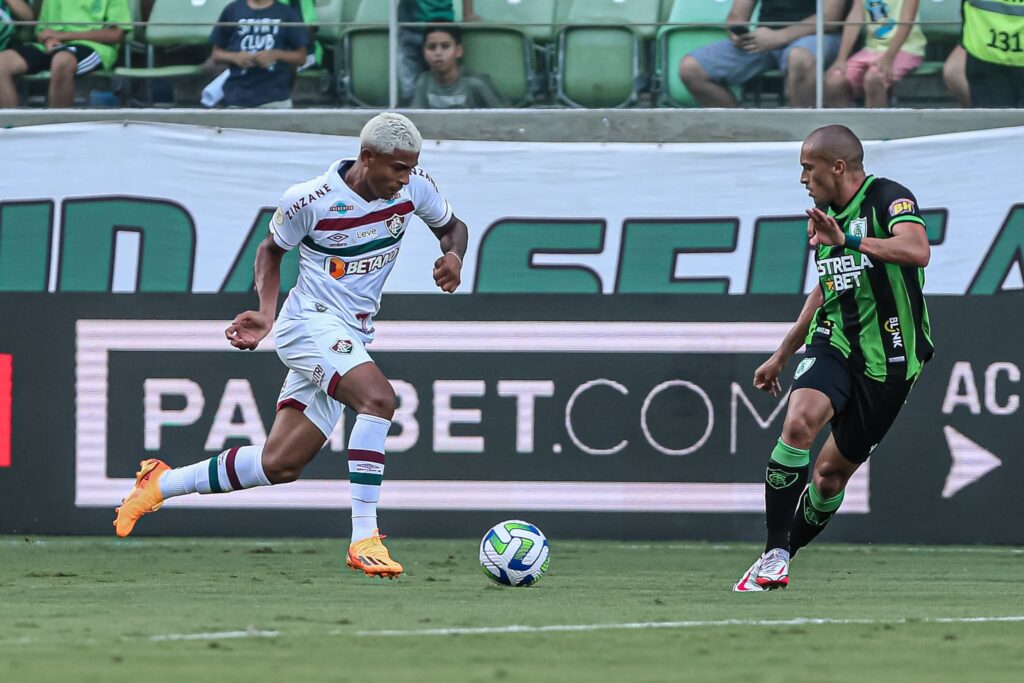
{"x":366,"y":56}
{"x":599,"y":52}
{"x":503,"y":44}
{"x":675,"y":42}
{"x":940,"y":20}
{"x":330,"y":15}
{"x":175,"y":24}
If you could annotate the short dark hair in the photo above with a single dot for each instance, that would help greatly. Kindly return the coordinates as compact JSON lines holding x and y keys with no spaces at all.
{"x":454,"y":31}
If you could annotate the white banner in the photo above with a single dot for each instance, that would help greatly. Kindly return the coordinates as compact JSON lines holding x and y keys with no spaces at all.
{"x":221,"y":179}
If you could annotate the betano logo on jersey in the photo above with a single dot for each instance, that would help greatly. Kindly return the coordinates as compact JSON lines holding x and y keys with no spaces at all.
{"x":339,"y":268}
{"x":842,"y":272}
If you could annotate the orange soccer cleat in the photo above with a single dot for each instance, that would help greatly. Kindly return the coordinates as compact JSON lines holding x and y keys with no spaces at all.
{"x":372,"y":558}
{"x":144,"y":497}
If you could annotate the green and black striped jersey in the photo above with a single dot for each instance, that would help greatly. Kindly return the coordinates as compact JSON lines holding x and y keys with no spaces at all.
{"x":874,"y":313}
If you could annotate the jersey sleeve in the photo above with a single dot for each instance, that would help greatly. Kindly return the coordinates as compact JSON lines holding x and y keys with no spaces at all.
{"x":430,"y":204}
{"x":292,"y":221}
{"x":897,"y":204}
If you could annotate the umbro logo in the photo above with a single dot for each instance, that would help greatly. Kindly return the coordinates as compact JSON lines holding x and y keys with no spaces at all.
{"x":320,"y":308}
{"x":337,"y":238}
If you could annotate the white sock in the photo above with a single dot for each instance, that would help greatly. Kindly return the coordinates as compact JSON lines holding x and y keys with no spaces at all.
{"x":366,"y":472}
{"x":236,"y":468}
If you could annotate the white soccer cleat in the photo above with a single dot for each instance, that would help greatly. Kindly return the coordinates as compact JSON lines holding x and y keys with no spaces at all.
{"x":748,"y":584}
{"x":774,"y":570}
{"x":770,"y":571}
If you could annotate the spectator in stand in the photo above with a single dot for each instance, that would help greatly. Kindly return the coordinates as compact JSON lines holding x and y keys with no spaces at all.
{"x":74,"y":38}
{"x":893,"y":48}
{"x":447,"y":85}
{"x":784,"y":39}
{"x":993,"y":36}
{"x":410,"y":38}
{"x":11,"y":11}
{"x":954,"y":74}
{"x":261,"y":53}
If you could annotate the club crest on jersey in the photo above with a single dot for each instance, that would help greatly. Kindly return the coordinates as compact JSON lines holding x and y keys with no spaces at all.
{"x":858,"y":227}
{"x":395,"y":224}
{"x":342,"y":346}
{"x":900,"y":207}
{"x":804,"y":366}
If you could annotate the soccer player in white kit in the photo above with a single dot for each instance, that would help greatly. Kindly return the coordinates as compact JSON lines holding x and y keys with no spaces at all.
{"x":348,"y":225}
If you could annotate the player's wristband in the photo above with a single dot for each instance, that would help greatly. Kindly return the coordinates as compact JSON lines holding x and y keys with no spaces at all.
{"x":852,"y":242}
{"x":456,"y":256}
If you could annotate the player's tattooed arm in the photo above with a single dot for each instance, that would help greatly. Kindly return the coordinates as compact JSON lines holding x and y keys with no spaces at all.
{"x":454,"y":239}
{"x":248,"y":329}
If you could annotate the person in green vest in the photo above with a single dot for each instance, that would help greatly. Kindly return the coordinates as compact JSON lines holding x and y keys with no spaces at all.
{"x":993,"y":36}
{"x":73,"y":38}
{"x":893,"y":47}
{"x":410,"y":36}
{"x":11,"y":11}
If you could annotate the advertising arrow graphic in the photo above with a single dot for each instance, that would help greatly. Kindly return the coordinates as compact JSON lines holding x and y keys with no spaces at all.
{"x":971,"y":462}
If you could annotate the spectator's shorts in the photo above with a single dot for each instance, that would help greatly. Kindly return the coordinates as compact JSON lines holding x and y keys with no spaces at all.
{"x":38,"y":59}
{"x":318,"y":351}
{"x":726,"y":63}
{"x":857,"y":67}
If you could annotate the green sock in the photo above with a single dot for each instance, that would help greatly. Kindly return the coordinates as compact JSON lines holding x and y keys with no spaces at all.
{"x":784,"y":480}
{"x":811,"y":517}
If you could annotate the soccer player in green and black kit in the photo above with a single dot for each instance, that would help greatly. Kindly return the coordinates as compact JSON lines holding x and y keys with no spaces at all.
{"x":867,"y":334}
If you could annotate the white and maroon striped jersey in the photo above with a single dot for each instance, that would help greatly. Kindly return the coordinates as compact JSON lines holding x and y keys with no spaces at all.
{"x":348,"y":246}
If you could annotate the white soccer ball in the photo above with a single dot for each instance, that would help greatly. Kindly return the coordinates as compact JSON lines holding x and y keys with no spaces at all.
{"x":514,"y":553}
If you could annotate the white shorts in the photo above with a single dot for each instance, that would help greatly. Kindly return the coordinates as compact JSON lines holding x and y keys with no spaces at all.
{"x":318,"y":351}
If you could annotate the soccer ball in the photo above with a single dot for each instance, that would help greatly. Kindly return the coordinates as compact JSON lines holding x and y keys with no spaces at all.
{"x":514,"y":553}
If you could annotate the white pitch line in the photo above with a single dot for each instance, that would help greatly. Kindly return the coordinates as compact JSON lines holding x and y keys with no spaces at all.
{"x":219,"y":635}
{"x":572,"y":628}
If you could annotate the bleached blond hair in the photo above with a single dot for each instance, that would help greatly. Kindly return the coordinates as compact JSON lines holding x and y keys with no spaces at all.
{"x":389,"y":132}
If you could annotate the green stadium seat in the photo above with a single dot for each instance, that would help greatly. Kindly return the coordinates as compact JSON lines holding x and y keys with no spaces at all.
{"x":599,"y":52}
{"x":366,"y":55}
{"x":503,"y":44}
{"x":675,"y":42}
{"x":330,"y":14}
{"x":940,"y":20}
{"x":535,"y":18}
{"x":175,"y":24}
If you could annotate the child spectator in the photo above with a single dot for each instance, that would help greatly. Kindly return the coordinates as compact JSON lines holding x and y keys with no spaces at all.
{"x":894,"y":47}
{"x":447,"y":85}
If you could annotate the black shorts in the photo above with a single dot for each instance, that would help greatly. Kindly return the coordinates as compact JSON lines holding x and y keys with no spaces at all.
{"x":38,"y":59}
{"x":864,"y":408}
{"x":995,"y":85}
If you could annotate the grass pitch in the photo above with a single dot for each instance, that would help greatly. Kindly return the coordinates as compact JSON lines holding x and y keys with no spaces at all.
{"x":155,"y":609}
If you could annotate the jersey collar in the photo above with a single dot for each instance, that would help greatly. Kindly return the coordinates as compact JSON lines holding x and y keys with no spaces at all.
{"x":854,"y":204}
